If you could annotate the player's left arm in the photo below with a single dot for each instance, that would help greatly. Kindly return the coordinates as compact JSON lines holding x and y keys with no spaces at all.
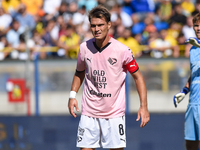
{"x":194,"y":41}
{"x":143,"y":112}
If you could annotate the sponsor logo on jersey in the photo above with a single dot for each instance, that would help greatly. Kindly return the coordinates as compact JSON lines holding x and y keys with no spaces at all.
{"x":122,"y":139}
{"x":89,"y":59}
{"x":100,"y":94}
{"x":132,"y":65}
{"x":112,"y":61}
{"x":79,"y":139}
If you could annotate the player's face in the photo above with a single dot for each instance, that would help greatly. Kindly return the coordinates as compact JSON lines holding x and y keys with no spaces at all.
{"x":196,"y":27}
{"x":99,"y":28}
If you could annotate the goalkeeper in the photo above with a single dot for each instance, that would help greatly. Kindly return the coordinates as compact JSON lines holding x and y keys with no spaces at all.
{"x":192,"y":115}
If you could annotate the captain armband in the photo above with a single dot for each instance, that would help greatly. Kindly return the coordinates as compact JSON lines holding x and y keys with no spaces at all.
{"x":132,"y":66}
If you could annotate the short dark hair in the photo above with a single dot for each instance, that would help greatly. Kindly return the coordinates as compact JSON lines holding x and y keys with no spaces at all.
{"x":99,"y":12}
{"x":196,"y":18}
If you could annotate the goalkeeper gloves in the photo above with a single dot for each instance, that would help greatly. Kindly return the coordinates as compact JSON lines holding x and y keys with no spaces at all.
{"x":180,"y":96}
{"x":194,"y":41}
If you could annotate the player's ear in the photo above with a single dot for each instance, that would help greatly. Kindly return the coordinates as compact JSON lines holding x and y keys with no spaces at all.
{"x":109,"y":25}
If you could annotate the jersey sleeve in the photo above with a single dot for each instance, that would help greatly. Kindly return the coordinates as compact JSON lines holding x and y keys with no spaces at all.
{"x":128,"y":56}
{"x":129,"y":61}
{"x":80,"y":60}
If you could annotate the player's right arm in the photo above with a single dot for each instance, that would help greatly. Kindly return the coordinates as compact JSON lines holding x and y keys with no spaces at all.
{"x":181,"y":95}
{"x":77,"y":81}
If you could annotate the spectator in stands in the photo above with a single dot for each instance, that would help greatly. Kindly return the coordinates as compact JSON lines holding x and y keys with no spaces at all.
{"x":110,"y":3}
{"x":64,"y":12}
{"x":80,"y":18}
{"x":40,"y":23}
{"x":70,"y":42}
{"x":73,"y":9}
{"x":111,"y":31}
{"x":129,"y":41}
{"x":69,"y":1}
{"x":138,"y":26}
{"x":5,"y":21}
{"x":49,"y":37}
{"x":13,"y":34}
{"x":87,"y":35}
{"x":10,"y":5}
{"x":38,"y":44}
{"x":143,"y":46}
{"x":197,"y":8}
{"x":12,"y":37}
{"x":61,"y":26}
{"x":24,"y":45}
{"x":188,"y":28}
{"x":51,"y":8}
{"x":178,"y":15}
{"x":173,"y":43}
{"x":118,"y":13}
{"x":188,"y":7}
{"x":164,"y":45}
{"x":165,"y":10}
{"x":67,"y":11}
{"x":26,"y":20}
{"x":181,"y":42}
{"x":174,"y":29}
{"x":148,"y":28}
{"x":33,"y":6}
{"x":62,"y":30}
{"x":116,"y":23}
{"x":143,"y":7}
{"x":88,"y":4}
{"x":4,"y":46}
{"x":119,"y":31}
{"x":126,"y":7}
{"x":149,"y":25}
{"x":181,"y":39}
{"x":188,"y":32}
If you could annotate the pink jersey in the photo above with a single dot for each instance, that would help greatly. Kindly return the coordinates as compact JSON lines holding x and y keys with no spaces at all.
{"x":105,"y":73}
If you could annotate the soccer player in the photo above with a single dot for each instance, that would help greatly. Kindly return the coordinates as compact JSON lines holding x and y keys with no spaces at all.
{"x":192,"y":115}
{"x":103,"y":63}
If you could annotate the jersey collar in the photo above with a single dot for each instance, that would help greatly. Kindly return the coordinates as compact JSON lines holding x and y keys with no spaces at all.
{"x":101,"y":49}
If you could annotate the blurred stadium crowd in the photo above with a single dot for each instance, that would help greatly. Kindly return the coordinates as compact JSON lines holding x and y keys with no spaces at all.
{"x":55,"y":28}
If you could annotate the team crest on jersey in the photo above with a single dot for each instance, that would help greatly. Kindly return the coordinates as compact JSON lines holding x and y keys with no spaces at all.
{"x":112,"y":61}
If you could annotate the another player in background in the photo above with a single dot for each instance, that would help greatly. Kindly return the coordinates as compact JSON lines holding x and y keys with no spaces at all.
{"x":103,"y":62}
{"x":192,"y":115}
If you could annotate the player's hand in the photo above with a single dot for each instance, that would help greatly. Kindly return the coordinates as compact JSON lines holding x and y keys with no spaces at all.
{"x":194,"y":41}
{"x":72,"y":103}
{"x":143,"y":113}
{"x":180,"y":96}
